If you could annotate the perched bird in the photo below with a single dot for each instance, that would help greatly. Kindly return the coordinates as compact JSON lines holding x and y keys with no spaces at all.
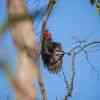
{"x":52,"y":53}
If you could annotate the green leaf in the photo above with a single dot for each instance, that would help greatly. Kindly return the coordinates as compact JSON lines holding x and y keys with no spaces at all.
{"x":92,"y":2}
{"x":97,"y":5}
{"x":98,"y":9}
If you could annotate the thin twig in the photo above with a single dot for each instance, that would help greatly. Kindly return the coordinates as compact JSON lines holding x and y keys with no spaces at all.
{"x":87,"y":45}
{"x":70,"y":82}
{"x":77,"y":49}
{"x":92,"y":66}
{"x":74,"y":52}
{"x":87,"y":59}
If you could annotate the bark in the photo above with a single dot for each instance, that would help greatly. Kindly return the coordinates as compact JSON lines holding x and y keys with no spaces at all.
{"x":21,"y":28}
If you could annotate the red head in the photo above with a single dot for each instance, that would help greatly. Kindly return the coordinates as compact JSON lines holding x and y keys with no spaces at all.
{"x":47,"y":35}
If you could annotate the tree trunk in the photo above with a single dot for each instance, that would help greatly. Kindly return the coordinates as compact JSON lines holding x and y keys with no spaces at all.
{"x":22,"y":31}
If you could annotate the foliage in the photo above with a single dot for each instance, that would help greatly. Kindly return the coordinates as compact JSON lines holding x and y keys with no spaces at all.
{"x":96,"y":3}
{"x":92,"y":2}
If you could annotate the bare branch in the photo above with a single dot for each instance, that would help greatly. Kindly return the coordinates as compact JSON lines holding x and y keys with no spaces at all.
{"x":73,"y":53}
{"x":91,"y":65}
{"x":70,"y":82}
{"x":49,"y":9}
{"x":88,"y":61}
{"x":77,"y":49}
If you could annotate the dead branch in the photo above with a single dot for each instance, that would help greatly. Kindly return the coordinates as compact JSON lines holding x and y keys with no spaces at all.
{"x":87,"y":58}
{"x":70,"y":82}
{"x":85,"y":46}
{"x":73,"y":53}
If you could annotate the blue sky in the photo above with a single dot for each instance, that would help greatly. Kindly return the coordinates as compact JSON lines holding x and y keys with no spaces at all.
{"x":70,"y":19}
